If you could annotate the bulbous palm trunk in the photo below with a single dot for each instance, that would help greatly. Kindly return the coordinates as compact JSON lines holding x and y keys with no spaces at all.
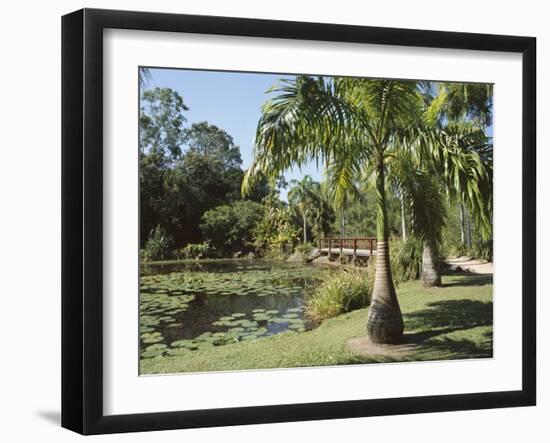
{"x":430,"y":270}
{"x":385,"y":322}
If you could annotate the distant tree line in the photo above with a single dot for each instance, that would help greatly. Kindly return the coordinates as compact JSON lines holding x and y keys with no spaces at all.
{"x":187,"y":170}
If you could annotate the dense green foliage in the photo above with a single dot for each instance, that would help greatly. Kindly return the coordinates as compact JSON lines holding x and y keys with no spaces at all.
{"x":231,"y":227}
{"x":185,"y":171}
{"x":276,"y":233}
{"x":406,"y":259}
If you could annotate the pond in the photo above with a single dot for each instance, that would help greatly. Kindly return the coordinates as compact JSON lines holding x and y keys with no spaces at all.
{"x":198,"y":305}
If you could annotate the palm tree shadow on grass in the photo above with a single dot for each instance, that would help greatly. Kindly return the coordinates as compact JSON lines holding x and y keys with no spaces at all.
{"x":430,"y":342}
{"x":470,"y":280}
{"x":444,"y":317}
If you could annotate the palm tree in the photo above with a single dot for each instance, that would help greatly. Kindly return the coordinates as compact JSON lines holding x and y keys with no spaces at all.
{"x":472,"y":101}
{"x":426,"y":210}
{"x":465,"y":175}
{"x":459,"y":105}
{"x":144,"y":77}
{"x":303,"y":194}
{"x":355,"y":126}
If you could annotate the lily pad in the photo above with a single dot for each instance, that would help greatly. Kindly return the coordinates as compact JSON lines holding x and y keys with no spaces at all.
{"x":152,"y":354}
{"x":180,"y":343}
{"x":153,"y":339}
{"x":157,"y":347}
{"x":177,"y":351}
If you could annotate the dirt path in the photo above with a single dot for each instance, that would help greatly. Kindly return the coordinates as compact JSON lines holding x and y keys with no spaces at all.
{"x":471,"y":265}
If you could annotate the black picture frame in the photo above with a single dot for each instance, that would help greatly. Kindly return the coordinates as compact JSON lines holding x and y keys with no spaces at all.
{"x":82,"y":218}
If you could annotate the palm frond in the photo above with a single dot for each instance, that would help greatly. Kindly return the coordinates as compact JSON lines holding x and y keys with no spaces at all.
{"x":308,"y":119}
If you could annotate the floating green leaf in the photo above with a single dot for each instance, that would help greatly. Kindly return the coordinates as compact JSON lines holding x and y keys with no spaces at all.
{"x":157,"y":347}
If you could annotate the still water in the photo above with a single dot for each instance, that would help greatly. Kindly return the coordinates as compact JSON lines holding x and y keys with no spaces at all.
{"x":197,"y":305}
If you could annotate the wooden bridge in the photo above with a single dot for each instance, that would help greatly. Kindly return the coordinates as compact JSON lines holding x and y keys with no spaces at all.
{"x":363,"y":247}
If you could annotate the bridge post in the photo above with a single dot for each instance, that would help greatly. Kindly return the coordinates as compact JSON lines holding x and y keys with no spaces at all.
{"x":329,"y":247}
{"x":341,"y":246}
{"x":354,"y":249}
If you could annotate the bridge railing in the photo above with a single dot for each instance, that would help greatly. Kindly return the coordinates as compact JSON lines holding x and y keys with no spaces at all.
{"x":335,"y":245}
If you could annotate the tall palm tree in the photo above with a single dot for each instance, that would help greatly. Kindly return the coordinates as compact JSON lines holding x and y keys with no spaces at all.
{"x":354,"y":126}
{"x":303,"y":194}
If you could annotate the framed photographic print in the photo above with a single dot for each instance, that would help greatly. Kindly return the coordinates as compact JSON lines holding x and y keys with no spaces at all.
{"x":269,"y":221}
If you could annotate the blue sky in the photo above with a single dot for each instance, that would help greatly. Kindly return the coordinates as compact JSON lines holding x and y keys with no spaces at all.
{"x":229,"y":100}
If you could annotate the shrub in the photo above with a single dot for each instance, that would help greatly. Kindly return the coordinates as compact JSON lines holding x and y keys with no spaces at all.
{"x":482,"y":250}
{"x":304,"y":249}
{"x":194,"y":251}
{"x":275,"y":234}
{"x":341,"y":292}
{"x":280,"y":245}
{"x":158,"y":245}
{"x":301,"y":253}
{"x":229,"y":227}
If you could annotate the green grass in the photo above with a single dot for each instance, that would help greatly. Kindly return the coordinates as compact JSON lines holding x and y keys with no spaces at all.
{"x":452,"y":322}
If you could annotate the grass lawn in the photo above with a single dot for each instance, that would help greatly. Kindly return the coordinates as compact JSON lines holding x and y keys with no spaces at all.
{"x":451,"y":322}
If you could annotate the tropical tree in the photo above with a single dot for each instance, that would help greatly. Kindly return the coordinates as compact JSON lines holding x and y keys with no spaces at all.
{"x":304,"y":194}
{"x":456,"y":105}
{"x":355,"y":126}
{"x":467,"y":101}
{"x":185,"y":170}
{"x":161,"y":135}
{"x":323,"y":215}
{"x":347,"y":123}
{"x":466,"y":175}
{"x":426,"y":209}
{"x":230,"y":227}
{"x":275,"y":234}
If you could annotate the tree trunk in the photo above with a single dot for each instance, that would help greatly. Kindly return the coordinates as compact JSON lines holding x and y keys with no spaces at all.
{"x":467,"y":229}
{"x":403,"y":225}
{"x":462,"y":233}
{"x":430,"y":270}
{"x":305,"y":227}
{"x":385,"y":322}
{"x":342,"y":223}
